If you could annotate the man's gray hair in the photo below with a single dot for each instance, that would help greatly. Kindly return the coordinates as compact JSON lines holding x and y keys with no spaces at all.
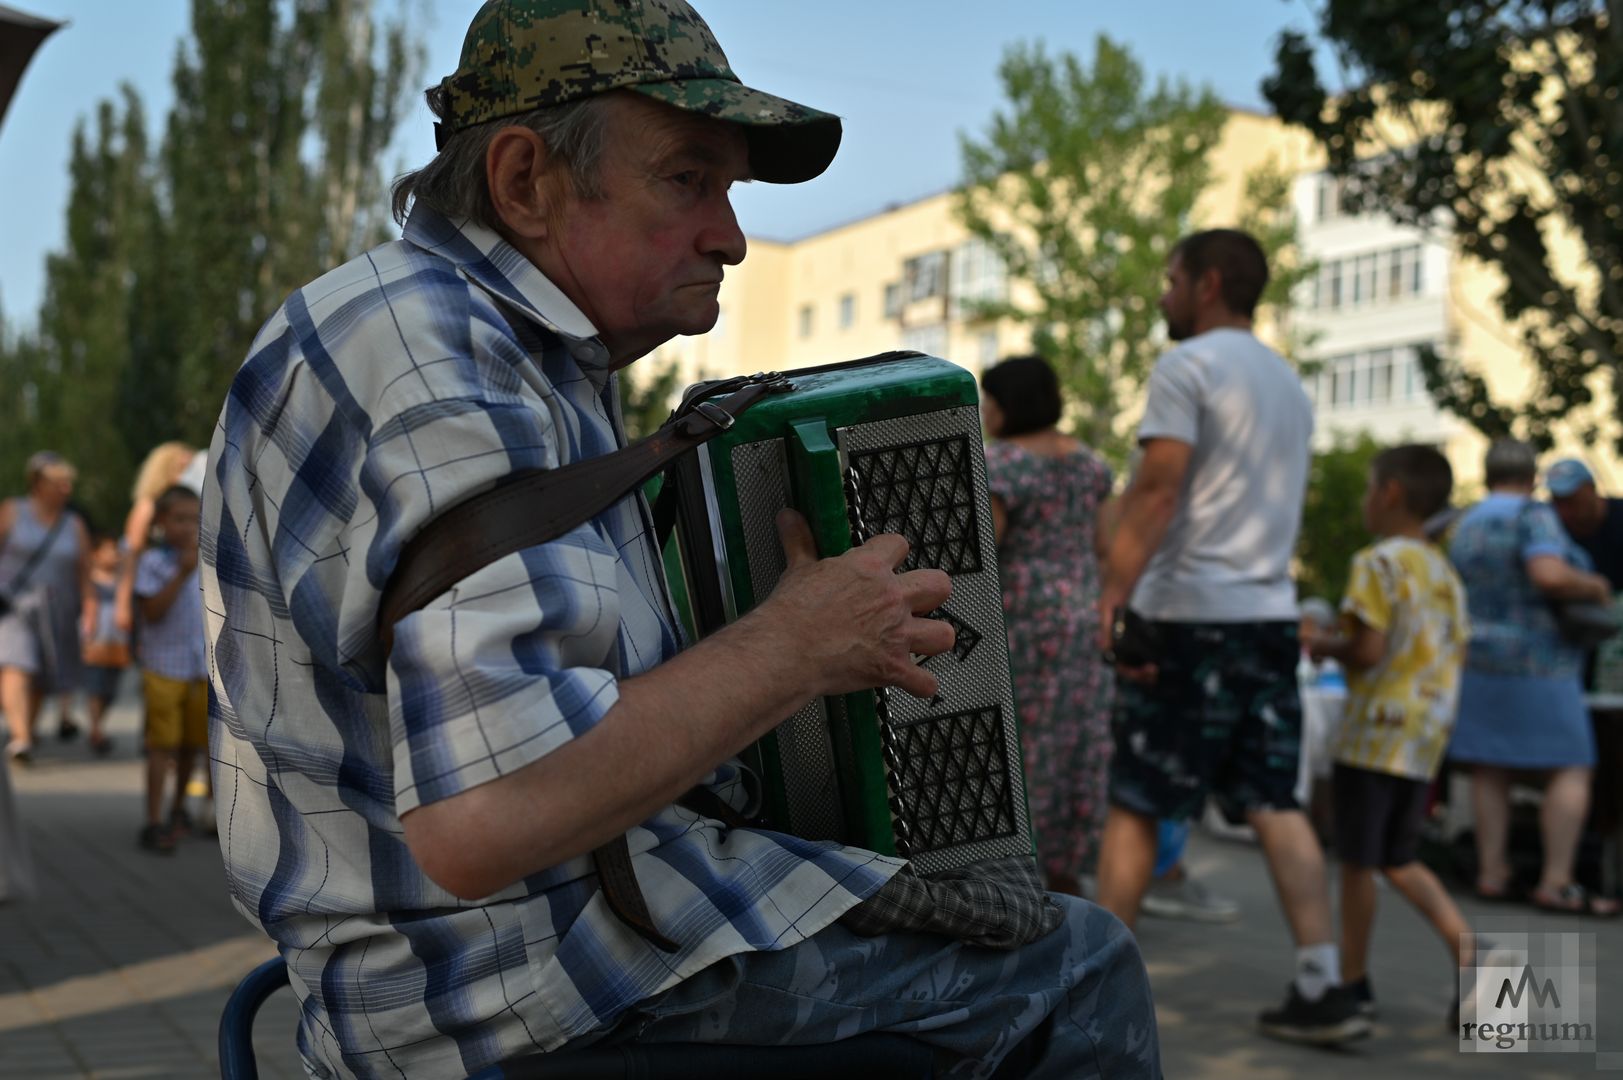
{"x":454,"y":182}
{"x":1509,"y":461}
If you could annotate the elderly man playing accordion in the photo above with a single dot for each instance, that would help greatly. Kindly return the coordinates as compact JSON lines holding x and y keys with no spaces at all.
{"x":410,"y":810}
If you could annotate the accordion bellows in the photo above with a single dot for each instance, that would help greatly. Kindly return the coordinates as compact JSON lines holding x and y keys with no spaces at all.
{"x":887,"y":444}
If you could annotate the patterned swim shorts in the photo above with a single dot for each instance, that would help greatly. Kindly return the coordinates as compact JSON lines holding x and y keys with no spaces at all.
{"x":1221,"y":718}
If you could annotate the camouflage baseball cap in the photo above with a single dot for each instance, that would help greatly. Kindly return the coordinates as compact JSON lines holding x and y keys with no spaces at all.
{"x":521,"y":55}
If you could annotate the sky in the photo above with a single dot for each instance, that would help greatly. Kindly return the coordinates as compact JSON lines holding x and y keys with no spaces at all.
{"x":907,"y":76}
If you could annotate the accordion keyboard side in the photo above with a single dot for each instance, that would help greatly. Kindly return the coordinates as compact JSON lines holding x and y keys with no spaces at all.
{"x":804,"y":743}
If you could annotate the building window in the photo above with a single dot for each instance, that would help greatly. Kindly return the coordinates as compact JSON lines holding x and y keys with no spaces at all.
{"x":1371,"y":278}
{"x":988,"y":348}
{"x":1379,"y":384}
{"x":1330,"y":198}
{"x":978,"y":277}
{"x":893,"y":299}
{"x":1380,"y":377}
{"x":925,"y":276}
{"x":1395,"y":262}
{"x":930,"y":340}
{"x":805,"y":320}
{"x":848,"y":310}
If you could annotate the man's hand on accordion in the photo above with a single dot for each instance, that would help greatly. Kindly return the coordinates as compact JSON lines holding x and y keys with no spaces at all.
{"x":852,"y":622}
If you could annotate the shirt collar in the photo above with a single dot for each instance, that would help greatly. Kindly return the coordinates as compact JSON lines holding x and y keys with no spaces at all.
{"x":484,"y":258}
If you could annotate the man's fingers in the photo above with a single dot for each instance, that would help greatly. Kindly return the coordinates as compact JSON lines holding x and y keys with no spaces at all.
{"x":929,"y":637}
{"x":798,"y":546}
{"x":926,"y":590}
{"x":918,"y":681}
{"x":891,"y":547}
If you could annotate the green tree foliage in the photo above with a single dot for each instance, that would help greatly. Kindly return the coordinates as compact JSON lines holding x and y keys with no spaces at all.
{"x":1502,"y":122}
{"x":1082,"y":184}
{"x":1333,"y":517}
{"x":267,"y":175}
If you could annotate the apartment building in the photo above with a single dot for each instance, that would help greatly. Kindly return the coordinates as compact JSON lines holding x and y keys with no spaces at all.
{"x":906,"y":277}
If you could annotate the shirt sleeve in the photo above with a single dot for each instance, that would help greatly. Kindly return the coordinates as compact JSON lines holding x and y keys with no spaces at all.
{"x":1172,"y":407}
{"x":517,"y":658}
{"x":1542,"y":533}
{"x":1369,"y":592}
{"x":152,"y":573}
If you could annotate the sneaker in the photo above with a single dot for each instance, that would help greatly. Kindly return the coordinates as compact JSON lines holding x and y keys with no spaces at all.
{"x":1329,"y":1021}
{"x":20,"y":753}
{"x":180,"y":824}
{"x":1362,"y":994}
{"x":1188,"y":899}
{"x":66,"y":729}
{"x":156,"y":838}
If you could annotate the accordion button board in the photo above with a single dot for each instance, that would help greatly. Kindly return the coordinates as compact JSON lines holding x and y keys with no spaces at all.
{"x":888,"y":445}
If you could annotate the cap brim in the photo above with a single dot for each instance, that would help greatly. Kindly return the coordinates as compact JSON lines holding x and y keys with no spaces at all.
{"x":788,"y":143}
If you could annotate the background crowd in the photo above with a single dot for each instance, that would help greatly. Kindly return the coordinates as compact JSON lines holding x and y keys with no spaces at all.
{"x":76,"y":614}
{"x":1490,"y":668}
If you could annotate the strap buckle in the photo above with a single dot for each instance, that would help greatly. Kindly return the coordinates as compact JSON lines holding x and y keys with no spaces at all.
{"x":715,"y":414}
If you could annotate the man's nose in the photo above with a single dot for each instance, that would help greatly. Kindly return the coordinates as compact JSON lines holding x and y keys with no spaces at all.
{"x":721,"y":237}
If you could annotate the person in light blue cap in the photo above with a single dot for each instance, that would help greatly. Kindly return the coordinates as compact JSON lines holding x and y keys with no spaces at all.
{"x":1594,"y":522}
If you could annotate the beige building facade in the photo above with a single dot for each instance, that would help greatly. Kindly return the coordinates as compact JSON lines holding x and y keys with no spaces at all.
{"x":901,"y":278}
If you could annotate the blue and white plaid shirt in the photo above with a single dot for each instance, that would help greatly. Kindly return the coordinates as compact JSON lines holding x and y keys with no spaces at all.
{"x":380,"y":395}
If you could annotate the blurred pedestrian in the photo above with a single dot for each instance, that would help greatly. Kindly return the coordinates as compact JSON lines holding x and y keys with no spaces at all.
{"x":106,"y":649}
{"x":1594,"y":521}
{"x":174,"y":666}
{"x":1521,"y":702}
{"x":1047,"y":489}
{"x":1199,"y":609}
{"x":44,"y":578}
{"x":162,"y":469}
{"x":1402,"y":641}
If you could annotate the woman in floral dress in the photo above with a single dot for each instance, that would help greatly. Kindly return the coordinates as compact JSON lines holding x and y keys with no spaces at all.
{"x":1047,"y":489}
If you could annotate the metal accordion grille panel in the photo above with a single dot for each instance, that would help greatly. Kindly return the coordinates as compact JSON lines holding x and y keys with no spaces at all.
{"x":926,"y":492}
{"x":952,"y":745}
{"x":956,"y":771}
{"x":961,"y":770}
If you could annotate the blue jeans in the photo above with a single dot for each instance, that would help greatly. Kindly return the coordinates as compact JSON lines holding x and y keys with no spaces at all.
{"x":1080,"y":995}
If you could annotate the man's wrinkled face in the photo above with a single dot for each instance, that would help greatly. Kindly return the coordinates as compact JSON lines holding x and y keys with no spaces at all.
{"x":1178,"y":301}
{"x":644,"y":259}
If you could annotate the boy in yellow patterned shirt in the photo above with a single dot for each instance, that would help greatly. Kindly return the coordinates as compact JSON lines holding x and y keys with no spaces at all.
{"x":1402,"y":643}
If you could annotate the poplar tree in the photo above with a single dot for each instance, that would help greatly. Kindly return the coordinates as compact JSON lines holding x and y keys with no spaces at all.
{"x":268,"y":174}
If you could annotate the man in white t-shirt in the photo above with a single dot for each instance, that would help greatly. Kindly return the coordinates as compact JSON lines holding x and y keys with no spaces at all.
{"x":1202,"y":556}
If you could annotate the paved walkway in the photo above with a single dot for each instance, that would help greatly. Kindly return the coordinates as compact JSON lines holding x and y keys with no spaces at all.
{"x":120,"y":968}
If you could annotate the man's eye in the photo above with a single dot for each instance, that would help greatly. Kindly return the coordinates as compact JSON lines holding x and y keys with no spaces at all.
{"x":686,"y":178}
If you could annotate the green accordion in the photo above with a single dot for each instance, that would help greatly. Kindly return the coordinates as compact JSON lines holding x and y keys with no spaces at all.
{"x":887,"y":444}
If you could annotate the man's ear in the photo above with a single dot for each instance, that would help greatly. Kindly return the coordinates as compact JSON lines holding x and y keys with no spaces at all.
{"x":1209,"y":289}
{"x":517,"y":174}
